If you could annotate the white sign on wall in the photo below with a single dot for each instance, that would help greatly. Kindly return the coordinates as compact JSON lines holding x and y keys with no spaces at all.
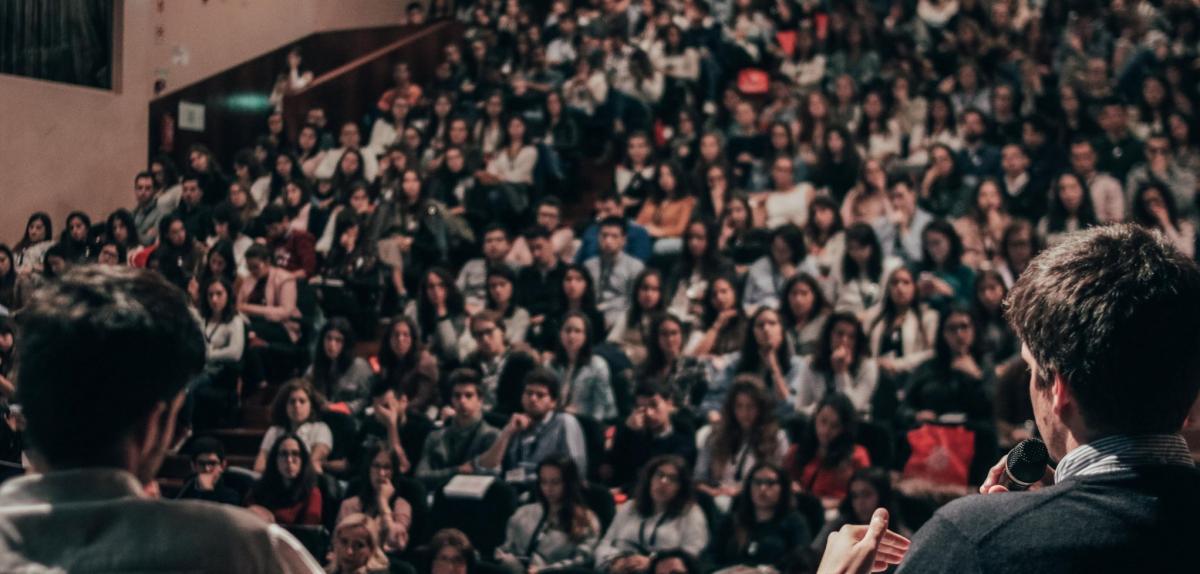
{"x":191,"y":116}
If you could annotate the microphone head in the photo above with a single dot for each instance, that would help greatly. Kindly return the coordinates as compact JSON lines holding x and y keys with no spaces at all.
{"x":1027,"y":461}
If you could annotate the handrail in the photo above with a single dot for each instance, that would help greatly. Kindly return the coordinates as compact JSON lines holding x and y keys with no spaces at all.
{"x":368,"y":58}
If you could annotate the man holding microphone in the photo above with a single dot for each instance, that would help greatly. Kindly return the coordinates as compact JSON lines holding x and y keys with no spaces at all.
{"x":1110,"y":328}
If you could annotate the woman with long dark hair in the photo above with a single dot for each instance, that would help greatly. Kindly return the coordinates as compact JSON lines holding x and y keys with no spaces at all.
{"x":76,"y":239}
{"x":336,"y":371}
{"x":288,"y":494}
{"x":1154,"y":208}
{"x":943,"y":278}
{"x":10,"y":296}
{"x":954,"y":380}
{"x":225,"y":337}
{"x":739,"y":241}
{"x":586,"y":381}
{"x":439,"y":312}
{"x":839,"y":164}
{"x":577,"y":292}
{"x":667,"y":209}
{"x":998,"y":343}
{"x":501,"y":298}
{"x":763,"y":528}
{"x":722,"y":321}
{"x":1017,"y":249}
{"x":403,"y":357}
{"x":515,"y":159}
{"x":218,"y":264}
{"x":663,"y":515}
{"x":178,"y":255}
{"x":38,"y":237}
{"x":630,"y":329}
{"x":297,"y":410}
{"x":686,"y":376}
{"x":901,"y":328}
{"x":287,"y":169}
{"x":982,"y":227}
{"x":842,"y":363}
{"x":700,"y":263}
{"x":803,"y":309}
{"x":822,"y":463}
{"x":788,"y":256}
{"x":557,"y":530}
{"x":826,"y":240}
{"x":375,"y":495}
{"x":120,"y":228}
{"x":1070,"y":210}
{"x":747,"y":433}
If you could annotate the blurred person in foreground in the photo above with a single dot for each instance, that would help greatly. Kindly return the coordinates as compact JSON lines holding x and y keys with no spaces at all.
{"x":99,"y":426}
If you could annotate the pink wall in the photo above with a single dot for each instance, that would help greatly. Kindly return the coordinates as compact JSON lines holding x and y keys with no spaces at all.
{"x":66,"y":147}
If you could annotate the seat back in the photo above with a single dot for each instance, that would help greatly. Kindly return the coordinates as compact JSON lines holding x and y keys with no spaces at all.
{"x":483,"y":521}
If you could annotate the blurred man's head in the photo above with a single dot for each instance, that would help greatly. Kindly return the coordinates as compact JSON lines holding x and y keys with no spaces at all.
{"x":106,"y":353}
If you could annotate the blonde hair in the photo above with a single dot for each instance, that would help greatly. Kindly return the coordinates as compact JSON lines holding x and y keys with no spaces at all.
{"x":378,"y":560}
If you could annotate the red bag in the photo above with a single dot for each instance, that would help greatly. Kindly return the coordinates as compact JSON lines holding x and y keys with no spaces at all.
{"x":787,"y":42}
{"x":753,"y":81}
{"x":941,"y":454}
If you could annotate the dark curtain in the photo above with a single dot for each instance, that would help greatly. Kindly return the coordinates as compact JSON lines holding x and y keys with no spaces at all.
{"x":58,"y":40}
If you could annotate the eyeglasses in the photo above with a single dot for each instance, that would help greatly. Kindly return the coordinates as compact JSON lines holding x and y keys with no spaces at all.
{"x":207,"y":463}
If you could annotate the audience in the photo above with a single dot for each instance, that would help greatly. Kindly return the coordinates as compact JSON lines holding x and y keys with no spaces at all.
{"x":556,"y":532}
{"x":662,"y":515}
{"x":378,"y":499}
{"x":288,"y":493}
{"x":826,"y":252}
{"x":296,"y":411}
{"x":762,"y":528}
{"x":826,"y":456}
{"x":356,"y":547}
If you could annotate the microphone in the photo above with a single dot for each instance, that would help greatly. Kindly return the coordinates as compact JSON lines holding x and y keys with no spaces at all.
{"x":1026,"y":464}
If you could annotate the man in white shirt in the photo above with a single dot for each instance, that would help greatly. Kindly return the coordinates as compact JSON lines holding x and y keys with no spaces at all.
{"x":98,"y":427}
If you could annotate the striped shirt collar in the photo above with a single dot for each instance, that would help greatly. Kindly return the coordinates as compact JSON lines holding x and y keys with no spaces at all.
{"x":1124,"y":452}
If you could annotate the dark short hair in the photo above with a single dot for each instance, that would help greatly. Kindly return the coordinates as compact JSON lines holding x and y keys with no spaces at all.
{"x":544,"y":377}
{"x":465,"y":376}
{"x":1115,"y":311}
{"x":99,"y":349}
{"x":535,"y":232}
{"x":259,"y":252}
{"x":653,"y":388}
{"x":272,"y":214}
{"x":612,"y":222}
{"x":206,"y":445}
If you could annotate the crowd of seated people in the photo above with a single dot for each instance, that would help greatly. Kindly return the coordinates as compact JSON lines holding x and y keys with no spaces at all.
{"x":685,"y":284}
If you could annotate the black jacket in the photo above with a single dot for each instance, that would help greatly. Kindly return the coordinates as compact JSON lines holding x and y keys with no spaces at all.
{"x":1133,"y":521}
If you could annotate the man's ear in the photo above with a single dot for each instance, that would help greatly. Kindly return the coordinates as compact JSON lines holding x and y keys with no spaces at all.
{"x":159,"y":425}
{"x":1061,"y":396}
